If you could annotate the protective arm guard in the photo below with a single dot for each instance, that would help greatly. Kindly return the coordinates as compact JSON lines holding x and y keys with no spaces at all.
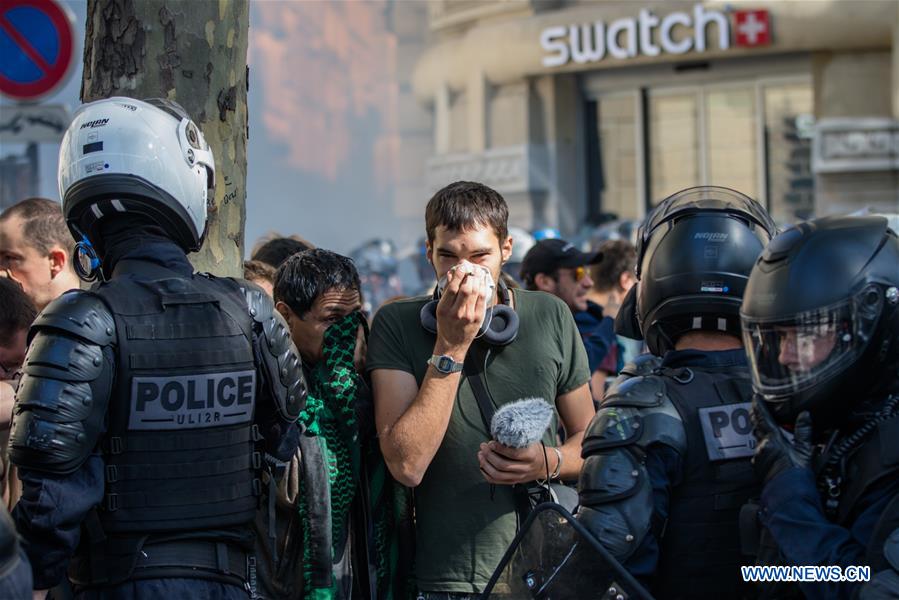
{"x":615,"y":492}
{"x":62,"y":398}
{"x":280,"y":366}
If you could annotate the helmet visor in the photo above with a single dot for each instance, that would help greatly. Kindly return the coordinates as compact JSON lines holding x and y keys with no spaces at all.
{"x":708,"y":199}
{"x":788,"y":356}
{"x":169,"y":106}
{"x":705,"y":200}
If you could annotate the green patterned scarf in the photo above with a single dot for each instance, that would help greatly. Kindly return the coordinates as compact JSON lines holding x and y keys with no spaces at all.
{"x":332,"y":417}
{"x":330,"y":414}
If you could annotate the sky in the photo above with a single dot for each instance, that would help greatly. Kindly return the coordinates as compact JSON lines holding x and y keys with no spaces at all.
{"x":322,"y":105}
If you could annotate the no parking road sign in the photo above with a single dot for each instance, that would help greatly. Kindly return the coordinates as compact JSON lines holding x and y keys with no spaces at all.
{"x":36,"y":43}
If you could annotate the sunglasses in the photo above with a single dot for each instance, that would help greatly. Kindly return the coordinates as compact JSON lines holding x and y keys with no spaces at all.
{"x":577,"y":272}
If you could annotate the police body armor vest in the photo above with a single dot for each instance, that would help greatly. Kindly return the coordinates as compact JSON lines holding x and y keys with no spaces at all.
{"x":700,"y":545}
{"x":180,"y":444}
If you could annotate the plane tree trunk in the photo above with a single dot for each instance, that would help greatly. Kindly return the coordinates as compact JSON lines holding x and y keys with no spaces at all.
{"x":195,"y":53}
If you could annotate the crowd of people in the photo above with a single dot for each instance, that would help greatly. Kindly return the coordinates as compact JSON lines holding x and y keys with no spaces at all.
{"x":720,"y":395}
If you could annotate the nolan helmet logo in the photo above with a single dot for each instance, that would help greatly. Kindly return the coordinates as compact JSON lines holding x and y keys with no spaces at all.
{"x":711,"y":236}
{"x":94,"y":123}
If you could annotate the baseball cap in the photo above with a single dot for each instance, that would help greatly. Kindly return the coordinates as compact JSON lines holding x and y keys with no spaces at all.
{"x":548,"y":255}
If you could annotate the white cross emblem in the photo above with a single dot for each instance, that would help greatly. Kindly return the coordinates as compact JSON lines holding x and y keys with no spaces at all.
{"x":751,"y":28}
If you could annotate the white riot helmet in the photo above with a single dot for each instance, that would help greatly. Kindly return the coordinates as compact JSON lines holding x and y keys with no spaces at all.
{"x":148,"y":158}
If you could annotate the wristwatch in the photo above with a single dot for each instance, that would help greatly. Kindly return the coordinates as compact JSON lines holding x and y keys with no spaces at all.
{"x":444,"y":364}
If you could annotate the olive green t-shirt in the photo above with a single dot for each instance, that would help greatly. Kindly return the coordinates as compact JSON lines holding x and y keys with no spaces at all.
{"x":461,"y":533}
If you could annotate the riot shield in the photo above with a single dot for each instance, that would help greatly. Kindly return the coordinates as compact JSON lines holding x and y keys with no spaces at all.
{"x":554,"y":557}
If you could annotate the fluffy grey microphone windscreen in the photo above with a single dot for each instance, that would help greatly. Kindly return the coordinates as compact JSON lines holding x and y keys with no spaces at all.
{"x":521,"y":423}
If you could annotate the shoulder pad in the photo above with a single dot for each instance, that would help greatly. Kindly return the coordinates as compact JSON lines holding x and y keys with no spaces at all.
{"x":636,"y":391}
{"x":61,"y":402}
{"x":616,"y":383}
{"x":280,"y":358}
{"x":640,"y":414}
{"x":644,"y":364}
{"x":80,"y":313}
{"x":260,"y":304}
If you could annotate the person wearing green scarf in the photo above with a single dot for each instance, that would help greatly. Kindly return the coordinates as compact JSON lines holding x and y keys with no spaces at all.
{"x":345,"y":503}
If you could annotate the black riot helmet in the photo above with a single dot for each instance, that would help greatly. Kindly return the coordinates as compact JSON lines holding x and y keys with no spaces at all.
{"x":626,"y":322}
{"x":821,"y":317}
{"x":694,"y":254}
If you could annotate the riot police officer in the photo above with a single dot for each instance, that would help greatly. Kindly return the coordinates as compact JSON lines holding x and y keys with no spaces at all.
{"x":151,"y":404}
{"x":821,"y":326}
{"x":667,"y":457}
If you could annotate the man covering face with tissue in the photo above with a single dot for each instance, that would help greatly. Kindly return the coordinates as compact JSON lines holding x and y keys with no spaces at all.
{"x":440,"y":364}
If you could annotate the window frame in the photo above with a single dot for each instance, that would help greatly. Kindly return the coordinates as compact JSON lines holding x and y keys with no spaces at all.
{"x":667,"y":80}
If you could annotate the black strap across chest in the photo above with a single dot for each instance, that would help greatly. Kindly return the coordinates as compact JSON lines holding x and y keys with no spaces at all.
{"x":474,"y":367}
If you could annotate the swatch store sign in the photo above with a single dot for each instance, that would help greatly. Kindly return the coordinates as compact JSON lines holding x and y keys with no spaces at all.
{"x":651,"y":35}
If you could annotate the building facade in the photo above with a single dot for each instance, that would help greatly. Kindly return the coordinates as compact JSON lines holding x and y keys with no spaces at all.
{"x":576,"y":110}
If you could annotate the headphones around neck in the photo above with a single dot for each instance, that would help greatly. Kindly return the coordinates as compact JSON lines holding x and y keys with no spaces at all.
{"x":500,"y":325}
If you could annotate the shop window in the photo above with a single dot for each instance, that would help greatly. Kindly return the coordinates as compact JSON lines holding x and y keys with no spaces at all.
{"x":674,"y":143}
{"x":616,"y":124}
{"x":754,"y":137}
{"x":731,"y":125}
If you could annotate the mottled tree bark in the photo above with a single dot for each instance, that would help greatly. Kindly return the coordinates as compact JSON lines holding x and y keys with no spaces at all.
{"x":193,"y":52}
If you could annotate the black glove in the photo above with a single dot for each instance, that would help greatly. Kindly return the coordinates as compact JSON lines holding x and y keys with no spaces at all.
{"x":775,"y":452}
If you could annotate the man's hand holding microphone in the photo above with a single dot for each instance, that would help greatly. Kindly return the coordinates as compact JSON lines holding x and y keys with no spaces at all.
{"x":516,"y":454}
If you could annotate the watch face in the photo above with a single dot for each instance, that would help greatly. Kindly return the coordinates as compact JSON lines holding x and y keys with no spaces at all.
{"x":444,"y":364}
